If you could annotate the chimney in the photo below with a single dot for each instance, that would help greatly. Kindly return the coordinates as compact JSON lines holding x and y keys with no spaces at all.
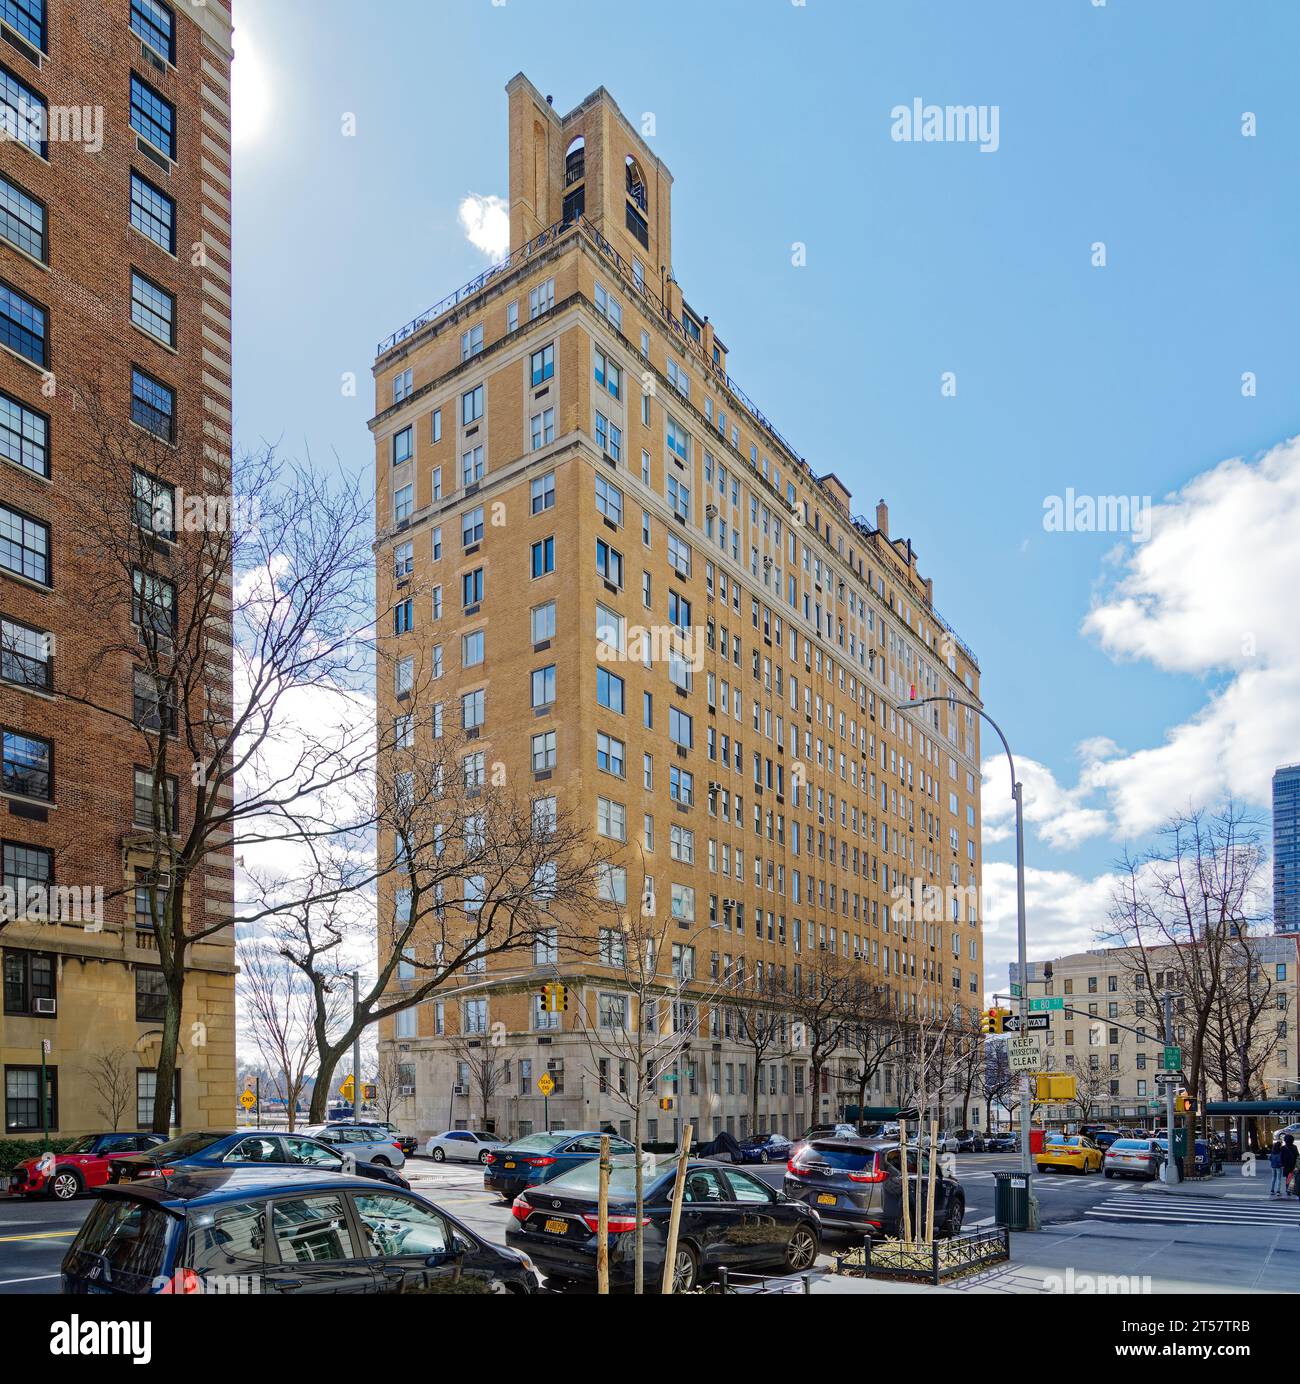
{"x":882,"y":517}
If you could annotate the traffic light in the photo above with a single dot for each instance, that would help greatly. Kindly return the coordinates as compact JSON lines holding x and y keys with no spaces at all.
{"x":555,"y":997}
{"x":1185,"y":1104}
{"x":993,"y":1020}
{"x":665,"y":1102}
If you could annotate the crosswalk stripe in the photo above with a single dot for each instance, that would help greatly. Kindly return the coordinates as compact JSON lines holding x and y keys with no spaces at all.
{"x":1207,"y":1212}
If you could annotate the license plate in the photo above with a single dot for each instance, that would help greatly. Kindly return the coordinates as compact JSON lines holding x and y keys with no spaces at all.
{"x":507,"y":1165}
{"x":556,"y":1225}
{"x":825,"y":1199}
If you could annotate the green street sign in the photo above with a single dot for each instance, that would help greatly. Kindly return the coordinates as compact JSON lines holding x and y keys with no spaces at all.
{"x":1173,"y":1059}
{"x":1052,"y":1002}
{"x":1015,"y":992}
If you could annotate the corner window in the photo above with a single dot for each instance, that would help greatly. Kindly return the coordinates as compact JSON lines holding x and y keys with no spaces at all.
{"x":23,"y":1099}
{"x":24,"y":433}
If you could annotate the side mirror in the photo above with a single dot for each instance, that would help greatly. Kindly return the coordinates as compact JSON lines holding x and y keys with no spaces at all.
{"x":435,"y":1261}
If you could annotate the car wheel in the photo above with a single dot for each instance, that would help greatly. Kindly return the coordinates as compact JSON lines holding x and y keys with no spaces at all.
{"x":65,"y":1184}
{"x":762,"y":1156}
{"x":686,"y":1268}
{"x":1108,"y":1172}
{"x":801,"y":1252}
{"x":381,"y":1162}
{"x":483,"y":1156}
{"x":438,"y":1155}
{"x":952,"y":1226}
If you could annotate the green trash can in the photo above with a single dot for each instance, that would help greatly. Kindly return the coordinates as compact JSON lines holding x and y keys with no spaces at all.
{"x":1011,"y":1200}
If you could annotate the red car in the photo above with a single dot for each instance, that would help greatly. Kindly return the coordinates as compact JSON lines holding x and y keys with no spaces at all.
{"x":84,"y":1165}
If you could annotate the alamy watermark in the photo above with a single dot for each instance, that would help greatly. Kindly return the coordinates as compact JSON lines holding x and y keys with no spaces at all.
{"x":928,"y":124}
{"x":32,"y":902}
{"x":36,"y":126}
{"x":1071,"y":513}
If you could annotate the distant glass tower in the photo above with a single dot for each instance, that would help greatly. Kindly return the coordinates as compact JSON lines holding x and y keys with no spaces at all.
{"x":1286,"y":849}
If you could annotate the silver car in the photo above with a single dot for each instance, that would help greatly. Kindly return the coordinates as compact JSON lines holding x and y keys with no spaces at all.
{"x":368,"y":1145}
{"x":462,"y":1145}
{"x":1133,"y":1158}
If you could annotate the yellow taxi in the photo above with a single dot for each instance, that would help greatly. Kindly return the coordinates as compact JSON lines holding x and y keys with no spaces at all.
{"x":1069,"y":1151}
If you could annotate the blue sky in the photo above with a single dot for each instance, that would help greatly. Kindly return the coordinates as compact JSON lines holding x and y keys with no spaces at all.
{"x":1119,"y":123}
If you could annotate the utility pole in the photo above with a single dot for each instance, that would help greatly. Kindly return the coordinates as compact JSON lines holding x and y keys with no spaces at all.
{"x":356,"y":1047}
{"x":1171,"y":1165}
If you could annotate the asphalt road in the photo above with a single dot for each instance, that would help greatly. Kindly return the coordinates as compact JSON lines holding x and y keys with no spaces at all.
{"x":35,"y":1234}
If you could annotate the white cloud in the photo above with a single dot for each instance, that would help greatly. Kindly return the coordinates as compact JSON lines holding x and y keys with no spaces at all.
{"x":486,"y":223}
{"x":250,"y":86}
{"x":1060,"y":815}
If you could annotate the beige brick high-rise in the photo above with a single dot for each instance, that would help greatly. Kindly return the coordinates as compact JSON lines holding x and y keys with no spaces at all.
{"x":675,"y":503}
{"x":95,"y":242}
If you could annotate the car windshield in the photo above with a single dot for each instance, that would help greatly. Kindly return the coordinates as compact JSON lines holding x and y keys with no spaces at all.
{"x":86,"y":1144}
{"x":185,"y":1145}
{"x":1129,"y":1144}
{"x":845,"y":1160}
{"x":536,"y":1143}
{"x":130,"y":1236}
{"x":584,"y":1180}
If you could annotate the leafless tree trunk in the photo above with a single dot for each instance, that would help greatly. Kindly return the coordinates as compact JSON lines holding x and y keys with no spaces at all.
{"x":113,"y":1075}
{"x":486,"y":1071}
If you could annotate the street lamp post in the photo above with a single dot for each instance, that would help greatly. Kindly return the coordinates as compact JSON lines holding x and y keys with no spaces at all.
{"x":1017,"y":793}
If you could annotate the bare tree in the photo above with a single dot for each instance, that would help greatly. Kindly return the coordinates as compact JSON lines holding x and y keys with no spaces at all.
{"x":1181,"y":910}
{"x":486,"y":1068}
{"x":761,"y":1025}
{"x":871,"y":1037}
{"x":276,"y":1005}
{"x":112,"y":1073}
{"x":821,"y":1005}
{"x":229,"y":592}
{"x":388,"y":1083}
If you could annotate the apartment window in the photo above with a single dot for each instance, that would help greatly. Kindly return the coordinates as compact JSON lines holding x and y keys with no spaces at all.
{"x":680,"y":727}
{"x":543,"y":686}
{"x":609,"y":754}
{"x":679,"y":610}
{"x":153,"y":603}
{"x":611,"y":819}
{"x":28,"y":977}
{"x":476,"y":1016}
{"x":153,"y":405}
{"x":403,"y":560}
{"x":146,"y":1086}
{"x":471,"y":466}
{"x":23,"y":323}
{"x":542,"y":428}
{"x":541,"y":365}
{"x":612,"y":1011}
{"x":541,"y":493}
{"x":402,"y":382}
{"x":153,"y":309}
{"x":608,"y":375}
{"x":403,"y":616}
{"x":679,"y":498}
{"x":27,"y":17}
{"x":609,"y":563}
{"x":471,"y":587}
{"x":611,"y":883}
{"x":150,"y":996}
{"x":24,"y":115}
{"x":153,"y":117}
{"x":475,"y":770}
{"x":471,"y":526}
{"x":436,"y":544}
{"x":471,"y":342}
{"x":638,"y":225}
{"x":609,"y":690}
{"x":153,"y":214}
{"x":24,"y":436}
{"x":151,"y":704}
{"x":23,"y":1099}
{"x":681,"y":786}
{"x":403,"y":503}
{"x":609,"y":500}
{"x":609,"y":437}
{"x":471,"y":649}
{"x":25,"y":655}
{"x":403,"y":448}
{"x":679,"y":554}
{"x":678,"y":439}
{"x":543,"y":751}
{"x":472,"y":709}
{"x":435,"y":483}
{"x":142,"y":805}
{"x":541,"y":299}
{"x":22,"y":219}
{"x":681,"y":844}
{"x":404,"y":676}
{"x":471,"y":405}
{"x":608,"y":306}
{"x":609,"y":628}
{"x":512,"y":316}
{"x":154,"y":503}
{"x":543,"y":557}
{"x":543,"y":622}
{"x":153,"y":22}
{"x":435,"y":427}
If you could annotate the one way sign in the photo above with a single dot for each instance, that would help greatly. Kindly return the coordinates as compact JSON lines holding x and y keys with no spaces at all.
{"x":1033,"y":1023}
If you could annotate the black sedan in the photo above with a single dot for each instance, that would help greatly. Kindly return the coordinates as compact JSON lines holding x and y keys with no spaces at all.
{"x":970,"y":1141}
{"x":1002,"y":1143}
{"x":269,"y":1230}
{"x":728,"y":1217}
{"x":242,"y":1148}
{"x":857,"y":1185}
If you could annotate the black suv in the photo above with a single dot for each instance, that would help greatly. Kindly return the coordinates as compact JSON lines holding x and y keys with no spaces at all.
{"x":856,"y":1184}
{"x":257,"y":1230}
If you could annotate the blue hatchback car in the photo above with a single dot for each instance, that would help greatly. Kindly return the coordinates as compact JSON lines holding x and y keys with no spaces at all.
{"x":766,"y":1148}
{"x":539,"y":1157}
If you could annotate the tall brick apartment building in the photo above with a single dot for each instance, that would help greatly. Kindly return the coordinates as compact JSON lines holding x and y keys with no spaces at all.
{"x":574,"y":391}
{"x":114,"y":286}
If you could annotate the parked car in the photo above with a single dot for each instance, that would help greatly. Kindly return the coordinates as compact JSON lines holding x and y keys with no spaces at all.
{"x":970,"y":1141}
{"x":462,"y":1146}
{"x":408,"y":1143}
{"x":373,"y":1143}
{"x":1073,"y":1151}
{"x":765,"y":1148}
{"x":301,"y":1234}
{"x":857,"y":1184}
{"x":1133,"y":1158}
{"x":840,"y":1130}
{"x":79,"y":1168}
{"x":242,"y":1148}
{"x":542,"y":1157}
{"x":1206,"y":1158}
{"x":944,"y":1142}
{"x":728,"y":1217}
{"x":1104,"y":1138}
{"x":1008,"y":1141}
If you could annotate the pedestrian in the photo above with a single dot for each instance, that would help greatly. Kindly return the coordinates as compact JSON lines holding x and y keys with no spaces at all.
{"x":1278,"y":1187}
{"x":1289,"y":1155}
